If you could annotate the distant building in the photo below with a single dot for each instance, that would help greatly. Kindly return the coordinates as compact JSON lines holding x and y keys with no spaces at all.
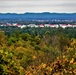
{"x":18,"y":25}
{"x":46,"y":25}
{"x":41,"y":25}
{"x":63,"y":25}
{"x":54,"y":25}
{"x":69,"y":25}
{"x":14,"y":24}
{"x":23,"y":26}
{"x":74,"y":26}
{"x":32,"y":25}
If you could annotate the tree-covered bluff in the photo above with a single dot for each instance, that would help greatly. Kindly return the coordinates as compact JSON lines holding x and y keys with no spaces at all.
{"x":37,"y":51}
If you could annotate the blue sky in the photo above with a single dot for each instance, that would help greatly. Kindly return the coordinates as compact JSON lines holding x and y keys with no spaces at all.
{"x":22,"y":6}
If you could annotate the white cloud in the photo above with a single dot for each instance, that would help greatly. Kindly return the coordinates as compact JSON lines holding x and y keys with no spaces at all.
{"x":21,"y":6}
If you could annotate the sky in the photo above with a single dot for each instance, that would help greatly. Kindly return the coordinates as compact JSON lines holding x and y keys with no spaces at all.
{"x":37,"y":6}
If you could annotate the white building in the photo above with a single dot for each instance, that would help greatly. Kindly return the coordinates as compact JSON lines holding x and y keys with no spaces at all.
{"x":23,"y":26}
{"x":54,"y":25}
{"x":69,"y":25}
{"x":63,"y":25}
{"x":14,"y":24}
{"x":46,"y":25}
{"x":32,"y":25}
{"x":41,"y":25}
{"x":74,"y":26}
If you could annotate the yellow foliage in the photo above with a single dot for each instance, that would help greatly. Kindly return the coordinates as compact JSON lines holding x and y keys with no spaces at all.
{"x":50,"y":69}
{"x":20,"y":48}
{"x":1,"y":51}
{"x":34,"y":57}
{"x":63,"y":56}
{"x":43,"y":65}
{"x":73,"y":43}
{"x":72,"y":60}
{"x":6,"y":53}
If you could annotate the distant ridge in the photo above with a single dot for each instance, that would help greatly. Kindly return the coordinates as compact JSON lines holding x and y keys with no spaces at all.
{"x":38,"y":13}
{"x":38,"y":16}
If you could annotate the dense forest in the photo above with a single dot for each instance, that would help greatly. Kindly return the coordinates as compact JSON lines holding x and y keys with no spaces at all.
{"x":37,"y":51}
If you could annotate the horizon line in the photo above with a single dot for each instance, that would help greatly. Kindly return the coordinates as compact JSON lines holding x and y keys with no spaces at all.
{"x":37,"y":12}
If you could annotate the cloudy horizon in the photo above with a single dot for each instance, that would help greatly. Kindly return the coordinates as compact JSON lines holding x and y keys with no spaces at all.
{"x":21,"y":6}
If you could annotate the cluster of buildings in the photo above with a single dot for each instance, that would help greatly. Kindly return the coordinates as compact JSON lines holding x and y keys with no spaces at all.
{"x":41,"y":25}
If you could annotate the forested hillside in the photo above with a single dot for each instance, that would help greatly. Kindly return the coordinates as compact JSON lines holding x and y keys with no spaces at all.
{"x":38,"y":16}
{"x":37,"y":51}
